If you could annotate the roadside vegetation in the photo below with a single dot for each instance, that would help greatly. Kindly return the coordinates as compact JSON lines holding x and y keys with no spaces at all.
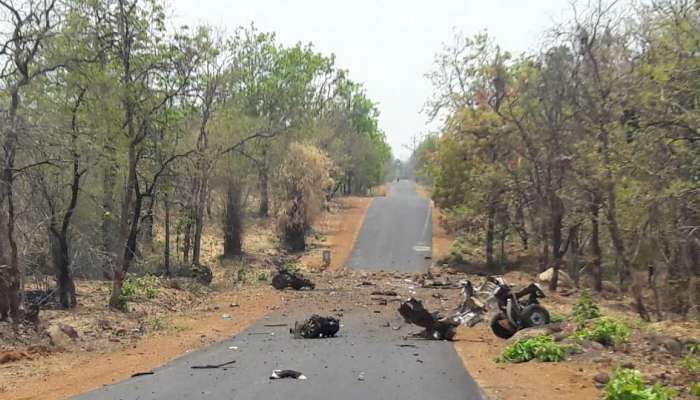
{"x":125,"y":140}
{"x":581,"y":157}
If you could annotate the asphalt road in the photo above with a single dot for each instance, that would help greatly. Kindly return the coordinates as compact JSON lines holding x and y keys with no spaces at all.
{"x":369,"y":360}
{"x":366,"y":362}
{"x":396,"y":234}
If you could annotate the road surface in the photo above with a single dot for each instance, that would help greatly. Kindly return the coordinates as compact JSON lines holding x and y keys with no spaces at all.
{"x":396,"y":234}
{"x":370,"y":359}
{"x":365,"y":362}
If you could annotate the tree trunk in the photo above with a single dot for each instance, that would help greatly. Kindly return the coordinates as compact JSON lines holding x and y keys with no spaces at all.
{"x":573,"y":257}
{"x":128,"y":230}
{"x":490,"y":234}
{"x":127,"y":257}
{"x":166,"y":247}
{"x":11,"y":275}
{"x":596,"y":252}
{"x":148,"y":220}
{"x":187,"y":242}
{"x":616,"y":237}
{"x":233,"y":222}
{"x":199,"y":208}
{"x":544,"y":253}
{"x":109,"y":229}
{"x":263,"y":182}
{"x":556,"y":218}
{"x":61,"y":263}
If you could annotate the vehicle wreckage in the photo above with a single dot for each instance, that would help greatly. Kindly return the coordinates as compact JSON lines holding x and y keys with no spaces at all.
{"x":514,"y":310}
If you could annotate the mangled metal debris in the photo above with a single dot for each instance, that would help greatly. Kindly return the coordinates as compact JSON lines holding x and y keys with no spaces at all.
{"x":435,"y":326}
{"x":287,"y":373}
{"x":316,"y":327}
{"x":515,"y":310}
{"x":285,"y":278}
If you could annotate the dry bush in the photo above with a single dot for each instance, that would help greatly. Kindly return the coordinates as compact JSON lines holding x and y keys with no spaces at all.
{"x":302,"y":182}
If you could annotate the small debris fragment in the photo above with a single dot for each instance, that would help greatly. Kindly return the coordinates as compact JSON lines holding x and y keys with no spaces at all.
{"x":361,"y":377}
{"x":287,"y":373}
{"x":274,"y":325}
{"x":142,"y":373}
{"x":384,"y":293}
{"x":225,"y":316}
{"x":233,"y":348}
{"x":213,"y":366}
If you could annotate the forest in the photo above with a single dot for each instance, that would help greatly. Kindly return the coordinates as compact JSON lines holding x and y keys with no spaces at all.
{"x":583,"y":156}
{"x":123,"y":135}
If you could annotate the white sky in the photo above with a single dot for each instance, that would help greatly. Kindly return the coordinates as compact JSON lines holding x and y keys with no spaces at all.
{"x":388,"y":45}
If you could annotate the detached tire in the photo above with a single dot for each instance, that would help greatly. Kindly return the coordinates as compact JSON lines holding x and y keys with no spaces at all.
{"x":499,"y":330}
{"x":535,"y":315}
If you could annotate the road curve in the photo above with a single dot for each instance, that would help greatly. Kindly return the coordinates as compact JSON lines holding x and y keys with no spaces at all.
{"x":396,"y":234}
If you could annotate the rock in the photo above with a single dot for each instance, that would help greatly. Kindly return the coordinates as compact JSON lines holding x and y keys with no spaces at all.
{"x":564,"y":279}
{"x":58,"y":337}
{"x":628,"y":365}
{"x":560,"y":329}
{"x":68,"y":330}
{"x":670,"y":345}
{"x":601,"y":378}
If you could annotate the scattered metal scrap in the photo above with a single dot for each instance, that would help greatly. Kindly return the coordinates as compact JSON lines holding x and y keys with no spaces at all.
{"x":316,"y":327}
{"x":284,"y":278}
{"x":435,"y":326}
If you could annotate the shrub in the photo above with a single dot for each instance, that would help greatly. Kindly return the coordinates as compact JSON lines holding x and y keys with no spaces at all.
{"x":263,"y":276}
{"x":303,"y":179}
{"x":691,"y":361}
{"x":556,"y":318}
{"x":291,"y":267}
{"x":628,"y":384}
{"x":541,"y":347}
{"x":585,"y":308}
{"x":605,"y":331}
{"x":695,"y":389}
{"x":156,"y":324}
{"x":138,"y":287}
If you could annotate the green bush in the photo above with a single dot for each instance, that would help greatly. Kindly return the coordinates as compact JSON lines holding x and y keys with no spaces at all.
{"x":291,"y":266}
{"x":585,"y":308}
{"x":139,"y":287}
{"x":695,"y":389}
{"x":556,"y":318}
{"x":263,"y":276}
{"x":541,"y":347}
{"x":691,"y":361}
{"x":605,"y":331}
{"x":628,"y":384}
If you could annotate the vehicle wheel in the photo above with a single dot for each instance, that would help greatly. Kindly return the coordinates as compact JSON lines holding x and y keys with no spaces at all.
{"x":534,"y":315}
{"x":501,"y":327}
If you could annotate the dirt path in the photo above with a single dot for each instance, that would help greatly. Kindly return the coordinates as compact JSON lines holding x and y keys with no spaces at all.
{"x":65,"y":374}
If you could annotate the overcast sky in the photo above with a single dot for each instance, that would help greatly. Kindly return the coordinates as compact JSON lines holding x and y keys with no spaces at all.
{"x":388,"y":45}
